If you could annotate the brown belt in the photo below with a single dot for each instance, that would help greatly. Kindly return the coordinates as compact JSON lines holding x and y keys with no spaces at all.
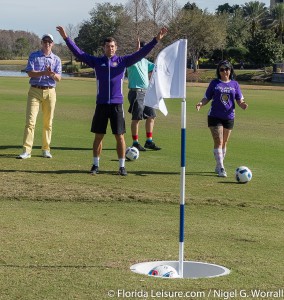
{"x":42,"y":87}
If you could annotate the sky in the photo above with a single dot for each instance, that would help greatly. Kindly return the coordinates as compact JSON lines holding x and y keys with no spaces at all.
{"x":42,"y":17}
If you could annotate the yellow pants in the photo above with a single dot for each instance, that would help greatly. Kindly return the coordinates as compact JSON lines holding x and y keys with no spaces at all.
{"x":47,"y":100}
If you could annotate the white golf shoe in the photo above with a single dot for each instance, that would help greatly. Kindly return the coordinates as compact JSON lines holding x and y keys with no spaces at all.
{"x":24,"y":155}
{"x":46,"y":154}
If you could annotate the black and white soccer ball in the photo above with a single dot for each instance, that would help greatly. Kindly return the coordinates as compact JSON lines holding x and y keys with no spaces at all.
{"x":243,"y":174}
{"x":132,"y":153}
{"x":165,"y":271}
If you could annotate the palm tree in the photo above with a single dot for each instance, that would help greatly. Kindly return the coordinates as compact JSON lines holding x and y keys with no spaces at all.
{"x":255,"y":12}
{"x":278,"y":20}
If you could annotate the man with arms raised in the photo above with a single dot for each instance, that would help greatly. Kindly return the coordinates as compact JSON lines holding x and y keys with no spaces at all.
{"x":110,"y":70}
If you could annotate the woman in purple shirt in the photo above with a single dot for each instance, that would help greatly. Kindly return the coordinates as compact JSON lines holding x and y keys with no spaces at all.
{"x":223,"y":92}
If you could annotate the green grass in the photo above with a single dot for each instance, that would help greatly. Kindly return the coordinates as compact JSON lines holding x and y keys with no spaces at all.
{"x":67,"y":235}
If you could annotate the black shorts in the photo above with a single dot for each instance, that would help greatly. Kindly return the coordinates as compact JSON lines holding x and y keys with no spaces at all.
{"x":213,"y":122}
{"x":137,"y":108}
{"x":103,"y":112}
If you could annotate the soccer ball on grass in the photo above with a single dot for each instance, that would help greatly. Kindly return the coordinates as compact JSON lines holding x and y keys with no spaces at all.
{"x":165,"y":271}
{"x":132,"y":153}
{"x":243,"y":174}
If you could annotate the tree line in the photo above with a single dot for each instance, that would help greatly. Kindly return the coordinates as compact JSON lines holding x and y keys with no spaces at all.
{"x":250,"y":33}
{"x":19,"y":44}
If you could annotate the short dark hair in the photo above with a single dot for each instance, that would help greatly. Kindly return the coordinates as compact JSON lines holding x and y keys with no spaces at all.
{"x":226,"y":64}
{"x":109,"y":40}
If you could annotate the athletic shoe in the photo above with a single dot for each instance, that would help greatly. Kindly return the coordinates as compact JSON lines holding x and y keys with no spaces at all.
{"x":139,"y":147}
{"x":94,"y":170}
{"x":151,"y":145}
{"x":46,"y":154}
{"x":222,"y":173}
{"x":122,"y":171}
{"x":24,"y":155}
{"x":217,"y":170}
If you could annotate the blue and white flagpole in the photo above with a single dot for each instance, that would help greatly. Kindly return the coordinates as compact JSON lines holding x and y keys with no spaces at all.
{"x":182,"y":177}
{"x":169,"y":81}
{"x":182,"y":188}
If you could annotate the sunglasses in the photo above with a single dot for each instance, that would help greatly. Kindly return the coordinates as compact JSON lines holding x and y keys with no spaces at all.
{"x":224,"y":69}
{"x":47,"y":41}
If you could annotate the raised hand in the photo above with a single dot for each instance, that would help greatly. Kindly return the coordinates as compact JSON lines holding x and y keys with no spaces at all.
{"x":162,"y":33}
{"x":62,"y":32}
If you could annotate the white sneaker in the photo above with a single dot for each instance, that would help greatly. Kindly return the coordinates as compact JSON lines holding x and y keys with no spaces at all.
{"x":24,"y":155}
{"x":222,"y":173}
{"x":46,"y":154}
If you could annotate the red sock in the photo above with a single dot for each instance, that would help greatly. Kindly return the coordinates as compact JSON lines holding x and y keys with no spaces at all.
{"x":135,"y":138}
{"x":149,"y":136}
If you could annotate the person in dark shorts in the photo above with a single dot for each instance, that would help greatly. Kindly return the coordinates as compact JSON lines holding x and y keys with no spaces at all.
{"x":223,"y":91}
{"x":138,"y":81}
{"x":110,"y":70}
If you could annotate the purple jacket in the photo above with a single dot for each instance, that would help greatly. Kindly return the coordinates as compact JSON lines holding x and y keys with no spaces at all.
{"x":110,"y":71}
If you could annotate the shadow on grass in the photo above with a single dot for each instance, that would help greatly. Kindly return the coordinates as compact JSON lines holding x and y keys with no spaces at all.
{"x":201,"y":174}
{"x":49,"y":267}
{"x":137,"y":173}
{"x":230,"y":182}
{"x":103,"y":172}
{"x":145,"y":173}
{"x":60,"y":172}
{"x":212,"y":174}
{"x":52,"y":148}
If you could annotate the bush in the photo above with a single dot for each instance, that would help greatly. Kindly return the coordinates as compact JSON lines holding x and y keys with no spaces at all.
{"x":237,"y":54}
{"x":70,"y":68}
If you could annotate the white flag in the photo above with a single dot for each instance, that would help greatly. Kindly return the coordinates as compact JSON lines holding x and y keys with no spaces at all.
{"x":169,"y":76}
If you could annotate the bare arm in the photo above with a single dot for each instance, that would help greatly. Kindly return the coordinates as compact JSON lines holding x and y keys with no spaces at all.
{"x":203,"y":102}
{"x":242,"y":104}
{"x":137,"y":43}
{"x":38,"y":73}
{"x":46,"y":72}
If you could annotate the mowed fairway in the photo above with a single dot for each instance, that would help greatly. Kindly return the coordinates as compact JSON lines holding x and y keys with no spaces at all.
{"x":65,"y":234}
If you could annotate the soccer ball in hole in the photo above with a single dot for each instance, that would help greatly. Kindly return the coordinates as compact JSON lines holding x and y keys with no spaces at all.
{"x":164,"y":271}
{"x":132,"y":153}
{"x":243,"y":174}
